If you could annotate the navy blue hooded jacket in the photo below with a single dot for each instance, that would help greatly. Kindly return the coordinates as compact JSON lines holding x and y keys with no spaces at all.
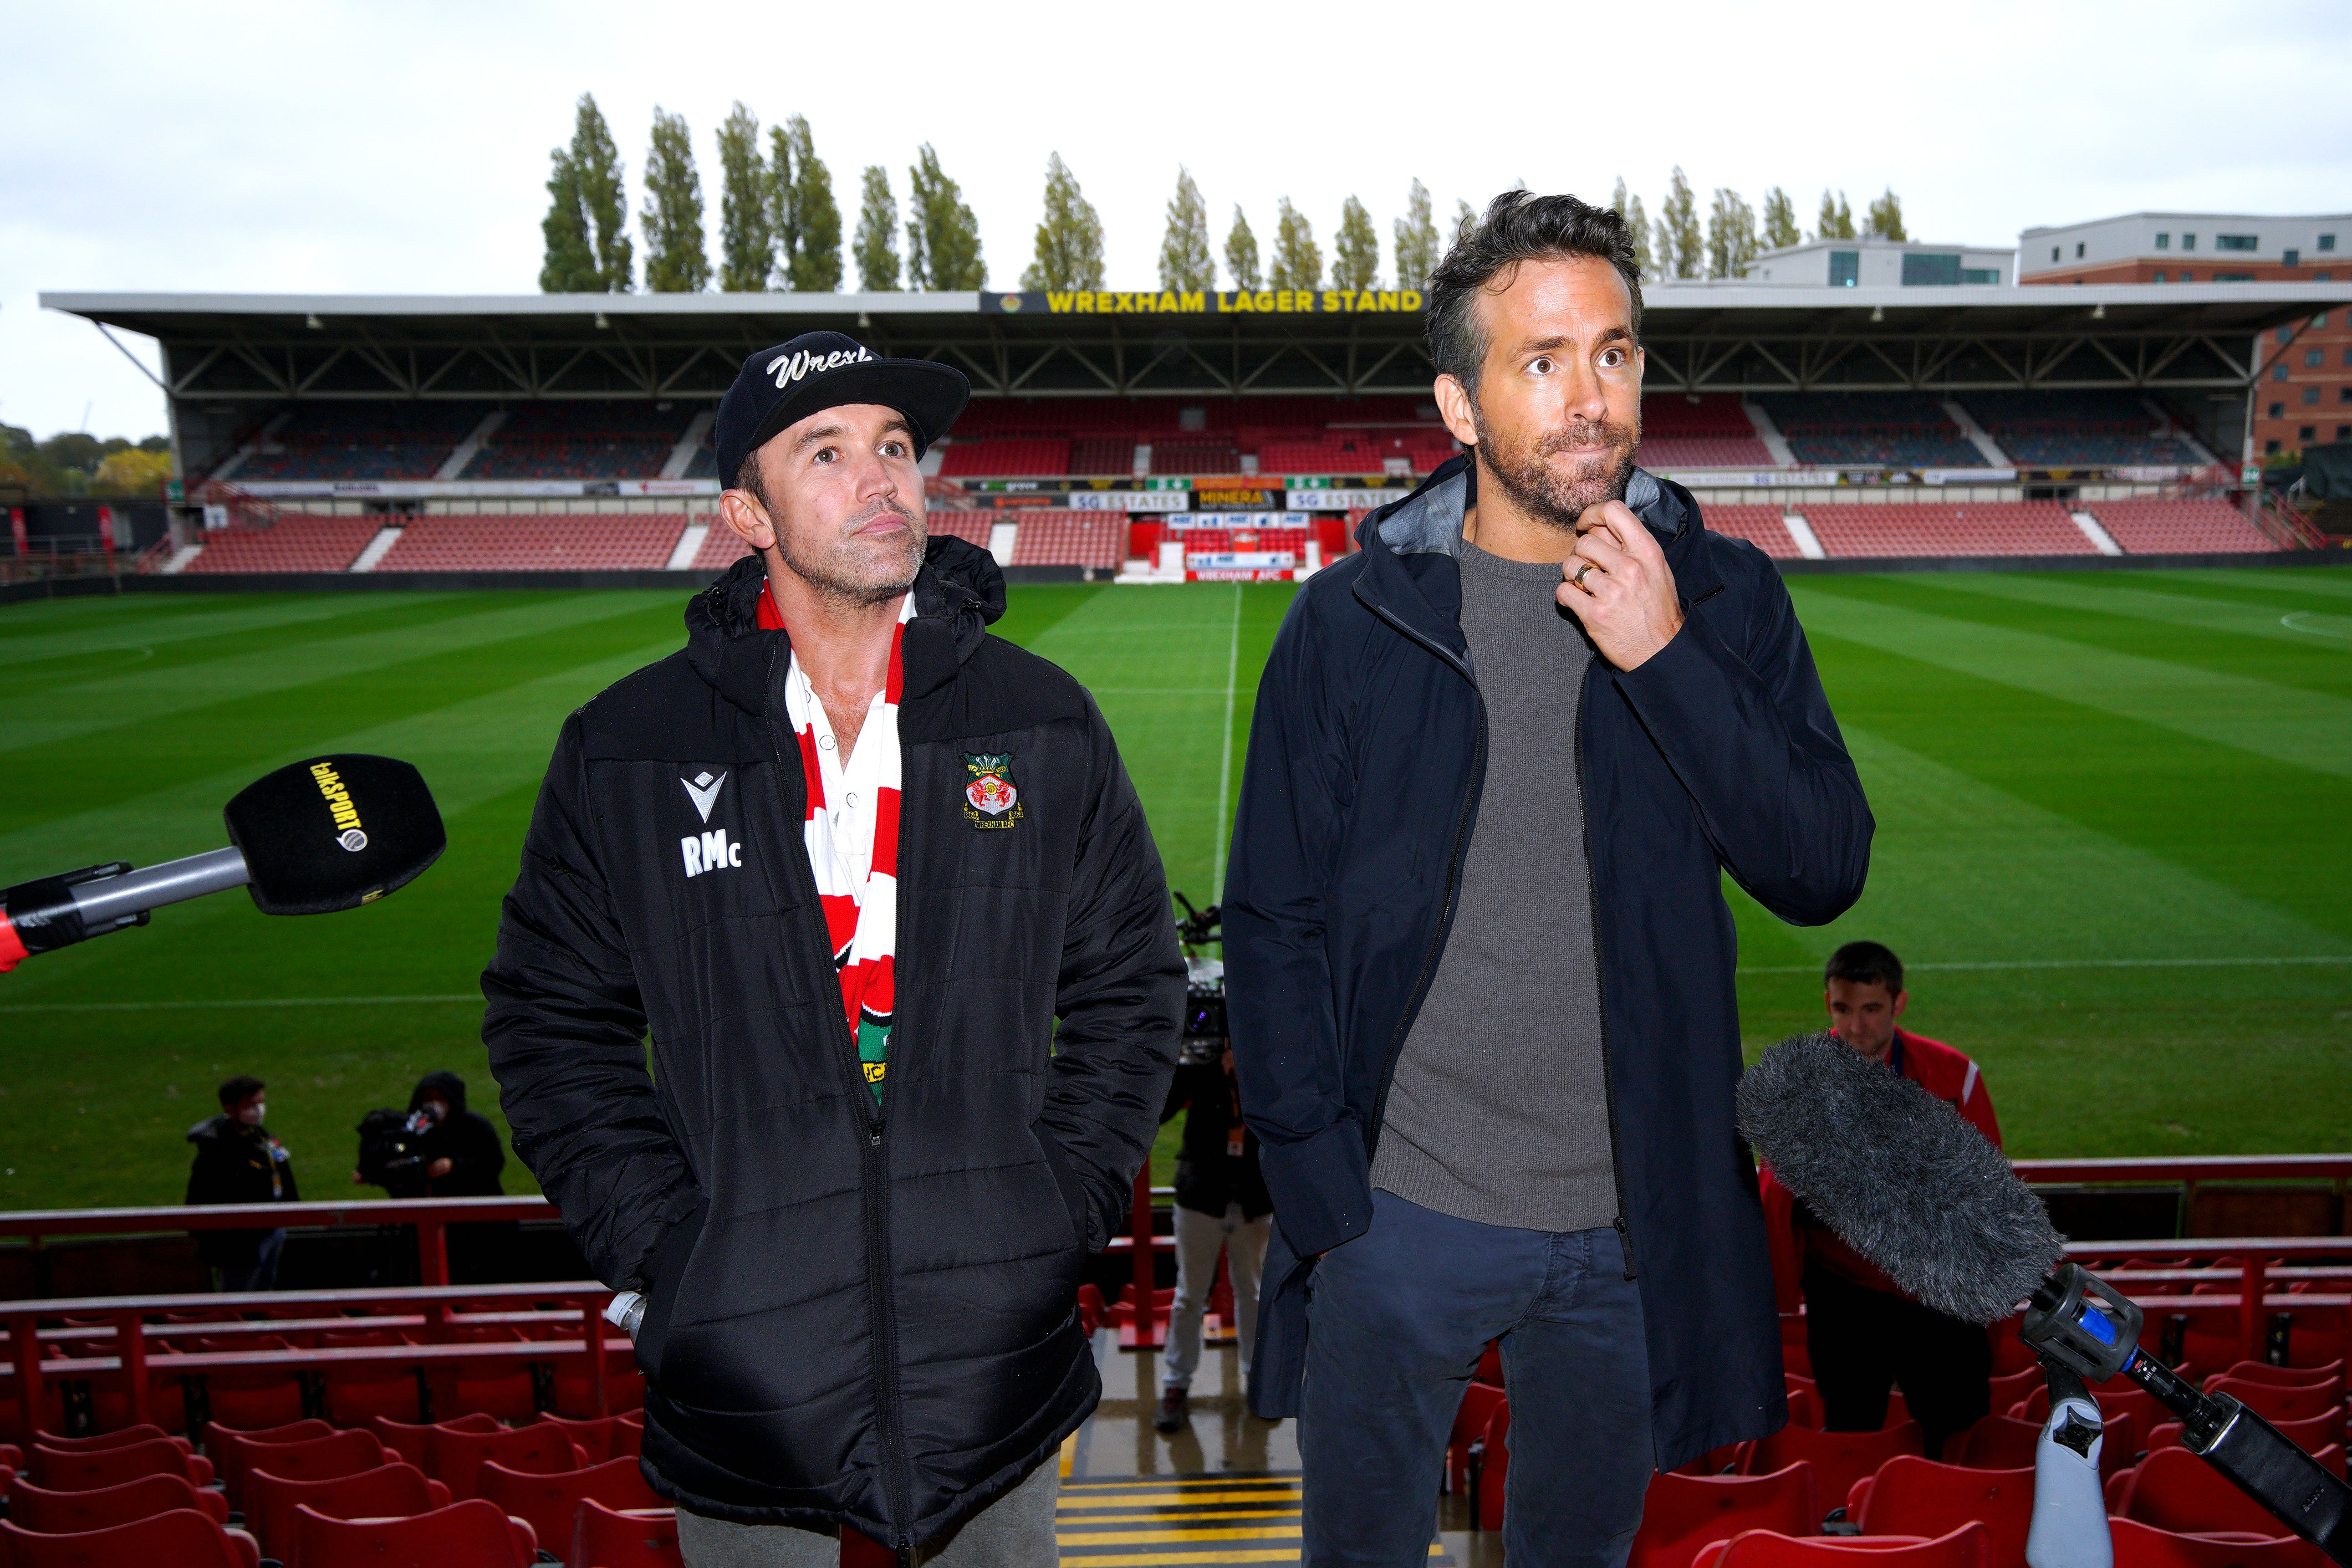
{"x":1367,"y":753}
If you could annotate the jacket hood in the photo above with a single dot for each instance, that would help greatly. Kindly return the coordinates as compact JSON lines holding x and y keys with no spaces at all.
{"x":215,"y":1127}
{"x":448,"y":1085}
{"x":958,"y":591}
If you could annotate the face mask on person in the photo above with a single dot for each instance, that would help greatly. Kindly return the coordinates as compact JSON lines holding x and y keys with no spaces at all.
{"x":252,"y":1111}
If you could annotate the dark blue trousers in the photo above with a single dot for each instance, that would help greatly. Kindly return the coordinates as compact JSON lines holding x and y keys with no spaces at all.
{"x":1397,"y":1320}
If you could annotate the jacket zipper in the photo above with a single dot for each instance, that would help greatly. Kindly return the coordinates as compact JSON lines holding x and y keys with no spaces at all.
{"x":1452,"y":888}
{"x":1600,"y":993}
{"x":874,"y":1202}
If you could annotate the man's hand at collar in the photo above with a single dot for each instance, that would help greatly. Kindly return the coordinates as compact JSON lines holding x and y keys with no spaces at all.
{"x":1617,"y":582}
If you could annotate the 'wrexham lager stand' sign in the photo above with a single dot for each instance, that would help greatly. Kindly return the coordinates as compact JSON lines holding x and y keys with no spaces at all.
{"x":1205,"y":302}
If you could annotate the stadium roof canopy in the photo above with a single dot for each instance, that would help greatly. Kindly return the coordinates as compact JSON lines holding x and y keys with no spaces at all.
{"x":248,"y":348}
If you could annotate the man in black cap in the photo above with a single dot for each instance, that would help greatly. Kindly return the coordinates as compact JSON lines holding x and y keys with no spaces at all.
{"x":847,"y":858}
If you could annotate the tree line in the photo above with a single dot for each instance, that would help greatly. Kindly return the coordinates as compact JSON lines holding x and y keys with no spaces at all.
{"x":74,"y":463}
{"x":780,"y":227}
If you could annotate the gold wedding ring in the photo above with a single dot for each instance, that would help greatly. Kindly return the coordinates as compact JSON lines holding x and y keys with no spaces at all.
{"x":1578,"y":580}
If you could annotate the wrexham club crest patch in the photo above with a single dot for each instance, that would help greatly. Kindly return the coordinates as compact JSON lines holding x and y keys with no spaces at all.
{"x":990,"y":799}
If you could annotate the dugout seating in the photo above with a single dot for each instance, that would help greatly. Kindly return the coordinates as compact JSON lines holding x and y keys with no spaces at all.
{"x":2195,"y":526}
{"x":1913,"y":529}
{"x":296,"y":541}
{"x":1761,"y":526}
{"x":550,"y":541}
{"x":2076,"y":429}
{"x":1096,"y":538}
{"x":579,"y":441}
{"x":365,"y":440}
{"x":1879,"y":429}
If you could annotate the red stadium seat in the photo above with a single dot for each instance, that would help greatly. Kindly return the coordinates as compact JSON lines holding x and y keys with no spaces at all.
{"x":602,"y":1538}
{"x":1977,"y":527}
{"x":2008,"y":1389}
{"x":183,"y":1539}
{"x":407,"y":1440}
{"x":473,"y":1534}
{"x":2141,"y":1545}
{"x":610,"y":1438}
{"x":294,"y":542}
{"x":2282,"y":1401}
{"x":388,"y":1491}
{"x":88,"y":1471}
{"x":1682,"y":1513}
{"x":121,"y":1438}
{"x":1479,"y":1402}
{"x":1967,"y":1547}
{"x":2174,"y":1490}
{"x":1912,"y":1496}
{"x":548,"y":1502}
{"x":320,"y":1459}
{"x":1838,"y":1459}
{"x":2006,"y":1443}
{"x":2206,"y":527}
{"x":1761,"y":526}
{"x":232,"y":1450}
{"x":63,"y":1513}
{"x":455,"y":1457}
{"x":1490,"y":1469}
{"x":2115,"y":1398}
{"x":1804,"y":1402}
{"x":2263,"y":1372}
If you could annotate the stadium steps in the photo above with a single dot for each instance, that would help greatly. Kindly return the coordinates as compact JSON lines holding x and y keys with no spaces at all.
{"x":1808,"y":543}
{"x":2101,"y":540}
{"x":681,"y":457}
{"x":1993,"y":456}
{"x":377,"y":548}
{"x":1768,"y":433}
{"x":689,"y":545}
{"x":464,"y":453}
{"x":1001,"y":538}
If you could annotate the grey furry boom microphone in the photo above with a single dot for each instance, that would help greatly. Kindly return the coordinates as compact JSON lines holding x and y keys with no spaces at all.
{"x":331,"y":832}
{"x":1905,"y":1181}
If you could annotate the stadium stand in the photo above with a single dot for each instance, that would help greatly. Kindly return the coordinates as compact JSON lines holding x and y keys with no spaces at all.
{"x":704,"y":464}
{"x":1194,"y":458}
{"x":1990,"y":528}
{"x":974,"y":525}
{"x":1759,"y":525}
{"x":184,"y":1538}
{"x":296,"y":541}
{"x":2199,"y":527}
{"x":1027,"y":457}
{"x":583,"y":440}
{"x":1096,"y":538}
{"x":2079,"y":429}
{"x":1713,"y":431}
{"x":1097,"y":454}
{"x":1893,"y":429}
{"x":552,"y":541}
{"x":374,"y":440}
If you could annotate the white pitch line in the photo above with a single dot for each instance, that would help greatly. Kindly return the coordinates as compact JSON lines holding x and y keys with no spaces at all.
{"x":2074,"y":963}
{"x":1225,"y":765}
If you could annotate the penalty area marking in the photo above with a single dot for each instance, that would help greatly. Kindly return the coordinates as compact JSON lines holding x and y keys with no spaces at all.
{"x":2292,"y":622}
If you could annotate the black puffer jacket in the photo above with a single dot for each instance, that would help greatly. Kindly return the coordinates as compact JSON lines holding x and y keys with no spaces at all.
{"x":851,"y":1314}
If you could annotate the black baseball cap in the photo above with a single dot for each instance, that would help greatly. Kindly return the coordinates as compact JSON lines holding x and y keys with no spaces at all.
{"x":786,"y":383}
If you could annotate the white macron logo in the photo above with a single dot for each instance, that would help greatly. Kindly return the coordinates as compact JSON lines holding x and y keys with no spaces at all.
{"x":703,"y":790}
{"x":710,"y":852}
{"x":789,"y":368}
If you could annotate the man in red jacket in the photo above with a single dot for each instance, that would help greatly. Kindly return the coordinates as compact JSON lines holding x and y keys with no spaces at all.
{"x":1863,"y":1334}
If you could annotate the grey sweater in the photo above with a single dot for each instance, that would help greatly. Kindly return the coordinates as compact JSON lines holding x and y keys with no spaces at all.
{"x":1498,"y":1112}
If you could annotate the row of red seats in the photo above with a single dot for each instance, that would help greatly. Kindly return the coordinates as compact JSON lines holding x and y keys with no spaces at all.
{"x":463,"y":1490}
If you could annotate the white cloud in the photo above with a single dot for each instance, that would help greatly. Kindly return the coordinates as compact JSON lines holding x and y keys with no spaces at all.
{"x":270,"y":147}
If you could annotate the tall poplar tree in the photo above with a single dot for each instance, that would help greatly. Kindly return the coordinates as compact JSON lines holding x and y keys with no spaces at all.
{"x":1681,"y":250}
{"x":1779,"y":220}
{"x":1240,"y":253}
{"x":1637,"y":221}
{"x":676,"y":262}
{"x":570,"y":266}
{"x":1355,"y":248}
{"x":1836,"y":219}
{"x":1069,"y":253}
{"x":1416,"y":239}
{"x":1298,"y":260}
{"x":1185,"y":259}
{"x":1466,"y":218}
{"x":1730,"y":235}
{"x":942,"y":233}
{"x":802,"y":210}
{"x":877,"y":244}
{"x":587,"y":224}
{"x":1887,"y":216}
{"x":747,"y":245}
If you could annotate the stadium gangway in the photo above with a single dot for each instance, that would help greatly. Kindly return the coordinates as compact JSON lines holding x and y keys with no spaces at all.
{"x":132,"y":1370}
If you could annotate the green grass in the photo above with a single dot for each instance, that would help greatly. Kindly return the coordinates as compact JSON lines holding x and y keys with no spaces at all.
{"x":2115,"y":829}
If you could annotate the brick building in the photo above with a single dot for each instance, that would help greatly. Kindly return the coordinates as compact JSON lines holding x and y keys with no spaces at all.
{"x":2306,"y":395}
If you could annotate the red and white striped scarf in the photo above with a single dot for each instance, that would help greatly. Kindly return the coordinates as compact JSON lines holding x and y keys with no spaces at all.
{"x":851,"y":833}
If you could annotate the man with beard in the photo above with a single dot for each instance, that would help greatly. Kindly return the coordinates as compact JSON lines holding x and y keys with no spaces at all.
{"x":847,"y":858}
{"x":1479,"y":965}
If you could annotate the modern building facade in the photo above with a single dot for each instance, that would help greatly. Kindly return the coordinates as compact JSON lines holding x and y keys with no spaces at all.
{"x":1874,"y":262}
{"x":2305,"y":396}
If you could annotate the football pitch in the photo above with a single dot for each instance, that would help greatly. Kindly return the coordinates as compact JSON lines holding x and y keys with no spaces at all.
{"x":2115,"y":833}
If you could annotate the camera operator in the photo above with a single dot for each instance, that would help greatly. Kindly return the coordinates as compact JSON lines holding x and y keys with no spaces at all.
{"x":439,"y":1150}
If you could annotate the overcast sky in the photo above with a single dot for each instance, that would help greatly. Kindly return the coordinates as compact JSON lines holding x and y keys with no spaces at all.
{"x":269,"y":148}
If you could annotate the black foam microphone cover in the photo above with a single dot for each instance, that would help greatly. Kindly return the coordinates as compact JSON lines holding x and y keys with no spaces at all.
{"x":1898,"y":1177}
{"x":334,"y":833}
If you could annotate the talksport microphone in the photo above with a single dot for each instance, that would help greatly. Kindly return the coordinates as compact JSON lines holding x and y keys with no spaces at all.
{"x":333,"y":833}
{"x":1905,"y":1181}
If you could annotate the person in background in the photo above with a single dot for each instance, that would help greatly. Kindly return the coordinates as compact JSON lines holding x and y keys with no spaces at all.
{"x":1221,"y":1206}
{"x":440,"y":1150}
{"x":461,"y":1148}
{"x":238,"y":1162}
{"x":1864,"y":1334}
